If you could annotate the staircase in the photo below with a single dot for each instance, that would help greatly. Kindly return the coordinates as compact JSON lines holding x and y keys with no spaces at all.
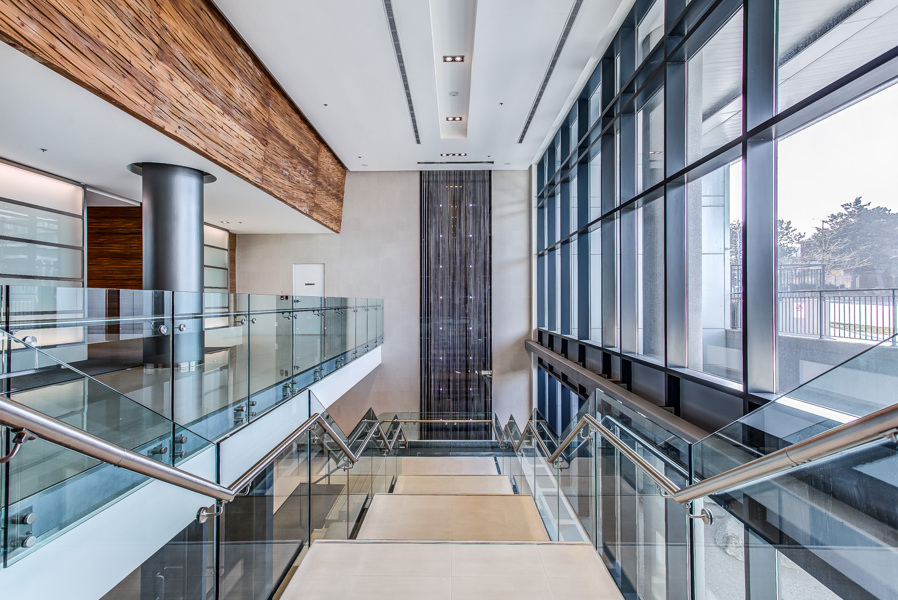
{"x":452,"y":528}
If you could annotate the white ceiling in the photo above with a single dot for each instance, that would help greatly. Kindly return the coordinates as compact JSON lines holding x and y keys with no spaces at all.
{"x":90,"y":141}
{"x":336,"y":60}
{"x":337,"y":53}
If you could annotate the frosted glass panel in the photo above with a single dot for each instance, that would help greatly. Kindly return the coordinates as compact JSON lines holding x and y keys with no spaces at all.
{"x":212,"y":236}
{"x":215,"y":257}
{"x":39,"y":225}
{"x":26,"y":186}
{"x":23,"y":258}
{"x":215,"y":278}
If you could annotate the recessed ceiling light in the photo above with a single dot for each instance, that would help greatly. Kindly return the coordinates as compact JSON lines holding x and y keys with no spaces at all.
{"x":454,"y":58}
{"x":453,"y":118}
{"x":507,"y":164}
{"x":364,"y":165}
{"x":453,"y":94}
{"x":454,"y":154}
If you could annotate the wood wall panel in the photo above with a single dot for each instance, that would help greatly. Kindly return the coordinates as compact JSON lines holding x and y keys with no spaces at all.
{"x":114,"y":247}
{"x":178,"y":66}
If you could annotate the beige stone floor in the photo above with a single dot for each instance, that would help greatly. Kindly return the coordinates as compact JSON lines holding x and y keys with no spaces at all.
{"x":448,"y":465}
{"x":451,"y":571}
{"x":479,"y":517}
{"x":452,"y":484}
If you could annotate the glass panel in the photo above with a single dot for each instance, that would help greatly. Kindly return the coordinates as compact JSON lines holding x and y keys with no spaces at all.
{"x":714,"y":272}
{"x":837,"y":215}
{"x":31,"y":223}
{"x":610,"y":279}
{"x":650,"y":278}
{"x":182,"y":568}
{"x":215,"y":257}
{"x":271,"y":352}
{"x":572,"y":245}
{"x":649,"y":31}
{"x":714,"y":91}
{"x":820,"y":41}
{"x":574,"y":214}
{"x":65,"y":487}
{"x":213,"y":236}
{"x":595,"y":104}
{"x":595,"y":187}
{"x":858,"y":387}
{"x":22,"y":258}
{"x":263,"y":531}
{"x":719,"y":555}
{"x":595,"y":285}
{"x":40,"y":190}
{"x":650,"y":143}
{"x":215,"y":278}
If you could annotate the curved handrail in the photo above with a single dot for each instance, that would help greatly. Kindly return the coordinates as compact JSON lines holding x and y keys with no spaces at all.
{"x":21,"y":418}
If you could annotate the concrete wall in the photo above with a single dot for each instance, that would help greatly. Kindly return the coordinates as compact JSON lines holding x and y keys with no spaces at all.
{"x":512,"y":318}
{"x":375,"y":256}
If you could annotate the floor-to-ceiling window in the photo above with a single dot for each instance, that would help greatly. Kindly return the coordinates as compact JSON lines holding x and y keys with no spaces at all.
{"x":716,"y":206}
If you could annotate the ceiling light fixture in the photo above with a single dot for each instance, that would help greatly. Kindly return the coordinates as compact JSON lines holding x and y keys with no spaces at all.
{"x":453,"y":154}
{"x":453,"y":118}
{"x":454,"y":59}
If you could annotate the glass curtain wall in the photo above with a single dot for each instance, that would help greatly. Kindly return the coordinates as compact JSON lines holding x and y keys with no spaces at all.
{"x":725,"y":173}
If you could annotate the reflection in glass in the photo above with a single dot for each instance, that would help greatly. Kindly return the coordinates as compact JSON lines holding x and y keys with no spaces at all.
{"x":714,"y":272}
{"x":650,"y":143}
{"x":714,"y":91}
{"x":819,"y":42}
{"x":649,"y":31}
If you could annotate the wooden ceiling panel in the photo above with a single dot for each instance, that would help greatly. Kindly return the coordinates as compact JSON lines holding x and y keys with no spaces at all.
{"x":178,"y":66}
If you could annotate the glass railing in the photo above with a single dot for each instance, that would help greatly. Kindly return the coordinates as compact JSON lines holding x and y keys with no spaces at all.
{"x":212,"y":362}
{"x":164,"y":374}
{"x":825,"y":529}
{"x":310,"y":491}
{"x":446,"y":433}
{"x":49,"y":488}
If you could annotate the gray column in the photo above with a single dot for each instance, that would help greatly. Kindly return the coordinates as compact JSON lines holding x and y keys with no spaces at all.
{"x":172,"y":205}
{"x":172,"y":228}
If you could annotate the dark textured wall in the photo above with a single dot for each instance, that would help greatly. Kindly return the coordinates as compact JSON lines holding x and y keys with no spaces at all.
{"x":456,"y":299}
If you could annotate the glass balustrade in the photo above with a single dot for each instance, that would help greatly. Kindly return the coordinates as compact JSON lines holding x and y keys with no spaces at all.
{"x":49,"y":488}
{"x":825,"y":529}
{"x":165,"y":374}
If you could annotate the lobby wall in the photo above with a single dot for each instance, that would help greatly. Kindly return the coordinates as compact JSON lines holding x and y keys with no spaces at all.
{"x":512,"y":319}
{"x":375,"y":255}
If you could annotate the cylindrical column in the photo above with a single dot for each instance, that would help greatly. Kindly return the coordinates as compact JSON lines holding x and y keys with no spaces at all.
{"x":172,"y":206}
{"x":172,"y":228}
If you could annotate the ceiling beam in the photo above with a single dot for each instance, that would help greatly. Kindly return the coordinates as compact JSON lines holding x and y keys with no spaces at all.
{"x":182,"y":69}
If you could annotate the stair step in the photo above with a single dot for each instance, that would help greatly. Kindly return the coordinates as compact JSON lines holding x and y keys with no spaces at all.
{"x":442,"y":465}
{"x":510,"y":517}
{"x":453,"y":484}
{"x":450,"y":570}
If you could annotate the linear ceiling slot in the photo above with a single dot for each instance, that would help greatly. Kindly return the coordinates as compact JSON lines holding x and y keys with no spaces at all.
{"x":397,"y":49}
{"x":558,"y":48}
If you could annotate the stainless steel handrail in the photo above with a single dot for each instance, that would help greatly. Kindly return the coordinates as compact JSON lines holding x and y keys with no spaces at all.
{"x":881,"y":424}
{"x":22,"y":418}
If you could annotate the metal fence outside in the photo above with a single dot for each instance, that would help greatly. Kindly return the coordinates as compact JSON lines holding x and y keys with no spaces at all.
{"x":863,"y":314}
